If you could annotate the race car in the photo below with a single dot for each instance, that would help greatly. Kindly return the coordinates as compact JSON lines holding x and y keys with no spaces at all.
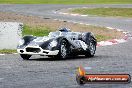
{"x":58,"y":44}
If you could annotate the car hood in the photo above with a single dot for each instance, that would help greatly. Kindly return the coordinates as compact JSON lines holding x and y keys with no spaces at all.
{"x":39,"y":40}
{"x":42,"y":39}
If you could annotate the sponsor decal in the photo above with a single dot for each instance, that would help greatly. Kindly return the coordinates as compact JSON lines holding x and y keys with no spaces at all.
{"x":82,"y":77}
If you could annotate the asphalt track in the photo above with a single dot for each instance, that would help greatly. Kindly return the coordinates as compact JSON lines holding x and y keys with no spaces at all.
{"x":43,"y":72}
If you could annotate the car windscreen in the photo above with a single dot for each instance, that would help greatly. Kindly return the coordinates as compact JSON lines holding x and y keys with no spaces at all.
{"x":58,"y":33}
{"x":54,"y":34}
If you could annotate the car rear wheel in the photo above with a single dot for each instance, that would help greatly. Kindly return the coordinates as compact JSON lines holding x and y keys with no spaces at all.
{"x":25,"y":56}
{"x":91,"y":51}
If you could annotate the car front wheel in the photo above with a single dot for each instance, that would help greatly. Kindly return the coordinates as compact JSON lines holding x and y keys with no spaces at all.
{"x":63,"y":50}
{"x":25,"y":56}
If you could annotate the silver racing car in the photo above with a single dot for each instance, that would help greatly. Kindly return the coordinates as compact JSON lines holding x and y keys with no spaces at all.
{"x":58,"y":44}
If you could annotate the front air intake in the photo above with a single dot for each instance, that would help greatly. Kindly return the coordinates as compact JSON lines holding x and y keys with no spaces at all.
{"x":34,"y":50}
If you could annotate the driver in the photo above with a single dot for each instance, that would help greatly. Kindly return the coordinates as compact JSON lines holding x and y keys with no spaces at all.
{"x":64,"y":29}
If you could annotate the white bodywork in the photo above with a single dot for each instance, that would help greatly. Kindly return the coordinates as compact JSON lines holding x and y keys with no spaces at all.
{"x":48,"y":52}
{"x":71,"y":36}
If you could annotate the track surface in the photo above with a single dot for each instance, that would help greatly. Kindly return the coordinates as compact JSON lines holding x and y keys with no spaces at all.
{"x":49,"y":73}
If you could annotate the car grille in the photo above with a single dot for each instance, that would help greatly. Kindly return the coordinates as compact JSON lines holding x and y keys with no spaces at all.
{"x":34,"y":50}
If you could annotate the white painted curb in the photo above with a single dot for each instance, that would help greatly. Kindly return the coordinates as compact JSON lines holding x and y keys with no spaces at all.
{"x":72,"y":14}
{"x":2,"y":54}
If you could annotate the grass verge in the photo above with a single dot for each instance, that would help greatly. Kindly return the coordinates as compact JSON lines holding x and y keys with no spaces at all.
{"x":8,"y":51}
{"x":116,"y":12}
{"x":35,"y":31}
{"x":66,"y":1}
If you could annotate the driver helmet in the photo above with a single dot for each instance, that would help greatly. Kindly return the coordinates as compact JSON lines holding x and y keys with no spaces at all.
{"x":64,"y":29}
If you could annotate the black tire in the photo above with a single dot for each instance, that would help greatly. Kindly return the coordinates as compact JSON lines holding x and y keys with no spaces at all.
{"x":91,"y":50}
{"x":63,"y":50}
{"x":80,"y":80}
{"x":25,"y":56}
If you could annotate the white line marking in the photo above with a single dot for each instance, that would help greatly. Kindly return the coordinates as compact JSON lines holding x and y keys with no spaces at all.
{"x":121,"y":40}
{"x":81,"y":23}
{"x":2,"y":54}
{"x":84,"y":15}
{"x":15,"y":53}
{"x":109,"y":27}
{"x":87,"y":24}
{"x":74,"y":14}
{"x":118,"y":29}
{"x":84,"y":7}
{"x":63,"y":13}
{"x":125,"y":32}
{"x":69,"y":8}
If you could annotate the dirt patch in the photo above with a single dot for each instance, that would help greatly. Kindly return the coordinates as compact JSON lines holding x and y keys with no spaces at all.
{"x":34,"y":21}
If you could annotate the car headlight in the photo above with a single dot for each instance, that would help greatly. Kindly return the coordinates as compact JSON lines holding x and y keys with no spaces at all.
{"x":21,"y":42}
{"x":53,"y":43}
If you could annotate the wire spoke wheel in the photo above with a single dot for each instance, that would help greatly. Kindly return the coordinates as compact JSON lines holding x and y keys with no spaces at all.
{"x":92,"y":48}
{"x":63,"y":50}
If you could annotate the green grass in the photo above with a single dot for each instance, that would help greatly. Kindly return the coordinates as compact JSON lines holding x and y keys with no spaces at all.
{"x":120,"y":12}
{"x":102,"y":37}
{"x":66,"y":1}
{"x":35,"y":31}
{"x":8,"y":51}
